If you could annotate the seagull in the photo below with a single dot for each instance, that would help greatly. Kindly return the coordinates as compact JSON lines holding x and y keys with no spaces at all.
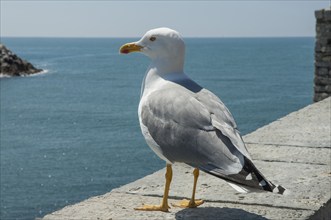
{"x":183,"y":122}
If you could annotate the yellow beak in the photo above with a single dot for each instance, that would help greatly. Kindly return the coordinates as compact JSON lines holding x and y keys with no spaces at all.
{"x":130,"y":47}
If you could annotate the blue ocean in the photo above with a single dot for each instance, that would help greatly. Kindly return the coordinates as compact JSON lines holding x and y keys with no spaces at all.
{"x":72,"y":132}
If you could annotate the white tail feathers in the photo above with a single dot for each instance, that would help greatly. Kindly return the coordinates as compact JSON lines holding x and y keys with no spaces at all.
{"x":240,"y":189}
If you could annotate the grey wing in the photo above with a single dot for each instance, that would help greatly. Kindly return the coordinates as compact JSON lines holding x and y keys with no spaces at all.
{"x":182,"y":126}
{"x":249,"y":178}
{"x":197,"y":129}
{"x":222,"y":119}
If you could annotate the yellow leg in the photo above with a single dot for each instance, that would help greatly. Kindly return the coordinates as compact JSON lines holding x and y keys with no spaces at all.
{"x":191,"y":203}
{"x":164,"y":205}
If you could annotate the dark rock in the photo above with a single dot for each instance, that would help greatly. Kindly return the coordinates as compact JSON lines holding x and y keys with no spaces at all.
{"x":327,"y":15}
{"x":12,"y":65}
{"x":320,"y":96}
{"x":321,"y":72}
{"x":322,"y":89}
{"x":319,"y":14}
{"x":322,"y":64}
{"x":322,"y":80}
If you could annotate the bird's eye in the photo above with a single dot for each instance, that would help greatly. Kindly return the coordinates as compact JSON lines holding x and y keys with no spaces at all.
{"x":152,"y":38}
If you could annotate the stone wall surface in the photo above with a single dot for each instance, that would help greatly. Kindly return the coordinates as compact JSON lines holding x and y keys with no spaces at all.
{"x":322,"y":81}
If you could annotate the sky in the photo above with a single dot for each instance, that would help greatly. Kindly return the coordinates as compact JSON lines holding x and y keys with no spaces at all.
{"x":55,"y":18}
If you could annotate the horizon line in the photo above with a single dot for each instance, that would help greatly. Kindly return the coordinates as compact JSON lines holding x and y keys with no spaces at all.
{"x":109,"y":37}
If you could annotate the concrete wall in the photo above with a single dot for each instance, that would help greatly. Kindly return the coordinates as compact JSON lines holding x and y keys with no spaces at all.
{"x":322,"y":81}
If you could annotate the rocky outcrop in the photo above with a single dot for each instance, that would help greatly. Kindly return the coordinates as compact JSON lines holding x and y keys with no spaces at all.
{"x":12,"y":65}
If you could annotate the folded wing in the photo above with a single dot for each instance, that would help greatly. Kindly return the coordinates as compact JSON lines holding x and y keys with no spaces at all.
{"x":196,"y":128}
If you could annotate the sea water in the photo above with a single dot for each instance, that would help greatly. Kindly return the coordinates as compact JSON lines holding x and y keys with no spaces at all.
{"x":73,"y":132}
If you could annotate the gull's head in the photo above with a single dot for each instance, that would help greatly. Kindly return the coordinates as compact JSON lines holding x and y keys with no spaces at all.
{"x":158,"y":44}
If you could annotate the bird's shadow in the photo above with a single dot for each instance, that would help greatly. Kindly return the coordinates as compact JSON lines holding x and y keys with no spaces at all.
{"x":212,"y":213}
